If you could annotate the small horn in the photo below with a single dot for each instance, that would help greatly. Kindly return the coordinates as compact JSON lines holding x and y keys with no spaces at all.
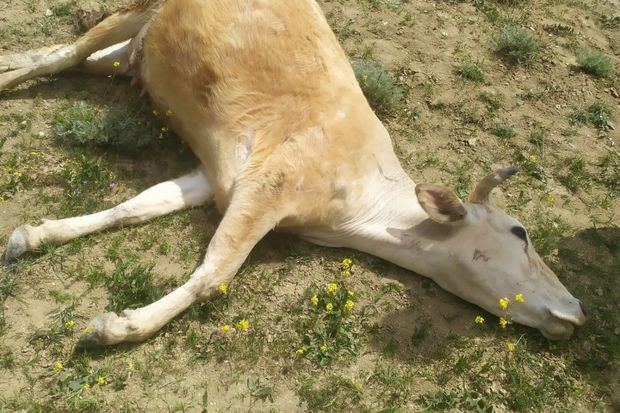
{"x":484,"y":187}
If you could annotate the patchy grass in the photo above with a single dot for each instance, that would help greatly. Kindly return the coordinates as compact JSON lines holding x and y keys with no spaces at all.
{"x":471,"y":71}
{"x":504,"y":130}
{"x":594,"y":62}
{"x":379,"y":86}
{"x":597,"y":114}
{"x":516,"y":45}
{"x":81,"y":124}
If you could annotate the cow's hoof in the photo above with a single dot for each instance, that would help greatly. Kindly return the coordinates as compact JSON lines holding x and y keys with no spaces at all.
{"x":17,"y":246}
{"x":98,"y":332}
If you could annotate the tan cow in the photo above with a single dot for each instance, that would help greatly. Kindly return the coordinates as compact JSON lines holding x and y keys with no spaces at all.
{"x":264,"y":95}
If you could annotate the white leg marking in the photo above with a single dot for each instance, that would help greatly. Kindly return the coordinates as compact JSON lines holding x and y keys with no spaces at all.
{"x":187,"y":191}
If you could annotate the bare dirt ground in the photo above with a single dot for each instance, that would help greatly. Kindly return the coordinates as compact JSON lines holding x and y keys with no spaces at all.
{"x":412,"y":347}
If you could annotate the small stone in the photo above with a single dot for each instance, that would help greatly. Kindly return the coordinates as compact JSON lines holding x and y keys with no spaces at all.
{"x":49,"y":13}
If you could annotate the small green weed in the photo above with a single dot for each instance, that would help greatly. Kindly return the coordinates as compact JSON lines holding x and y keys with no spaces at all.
{"x":597,"y":114}
{"x":504,"y":130}
{"x":337,"y":394}
{"x":86,"y":182}
{"x":594,"y":62}
{"x":82,"y":124}
{"x":470,"y":71}
{"x":379,"y":86}
{"x":492,"y":100}
{"x":327,"y":327}
{"x":576,"y":176}
{"x":516,"y":45}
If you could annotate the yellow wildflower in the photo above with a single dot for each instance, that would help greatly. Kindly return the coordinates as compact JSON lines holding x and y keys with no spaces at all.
{"x":314,"y":300}
{"x":17,"y":174}
{"x":511,"y":346}
{"x":350,"y":293}
{"x":300,"y":351}
{"x":533,"y":158}
{"x":329,"y":307}
{"x":116,"y":64}
{"x":86,"y":386}
{"x":519,"y":298}
{"x":358,"y":386}
{"x":503,"y":322}
{"x":69,"y":325}
{"x":346,"y":263}
{"x":223,"y":289}
{"x":503,"y":303}
{"x":155,"y":112}
{"x":33,"y":153}
{"x":332,"y":288}
{"x":225,"y":328}
{"x":365,"y":78}
{"x":101,"y":380}
{"x":169,"y":112}
{"x":550,"y":199}
{"x":130,"y":365}
{"x":348,"y":305}
{"x":479,"y":319}
{"x":164,"y":129}
{"x":88,"y":330}
{"x":345,"y":273}
{"x":243,"y":325}
{"x":323,"y":348}
{"x":58,"y":366}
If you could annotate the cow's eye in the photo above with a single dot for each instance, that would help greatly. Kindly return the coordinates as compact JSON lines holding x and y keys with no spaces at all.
{"x":519,"y":232}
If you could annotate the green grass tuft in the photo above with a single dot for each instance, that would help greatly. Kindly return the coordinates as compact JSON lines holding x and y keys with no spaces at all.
{"x":82,"y":124}
{"x":594,"y":62}
{"x":380,"y":88}
{"x":470,"y":71}
{"x":503,"y":130}
{"x":597,"y":114}
{"x":516,"y":45}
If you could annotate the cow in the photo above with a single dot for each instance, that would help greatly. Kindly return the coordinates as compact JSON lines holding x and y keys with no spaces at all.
{"x":265,"y":97}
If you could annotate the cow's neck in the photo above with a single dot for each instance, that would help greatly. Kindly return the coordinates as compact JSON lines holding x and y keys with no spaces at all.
{"x":396,"y":228}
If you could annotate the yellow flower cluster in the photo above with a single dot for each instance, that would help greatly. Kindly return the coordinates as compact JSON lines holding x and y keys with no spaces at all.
{"x":300,"y":351}
{"x":332,"y":288}
{"x":503,"y":303}
{"x":130,"y":365}
{"x":348,"y":305}
{"x":69,"y":325}
{"x":225,"y":328}
{"x":324,"y":348}
{"x":503,"y":322}
{"x":101,"y":380}
{"x":58,"y":366}
{"x":519,"y":298}
{"x":329,"y":307}
{"x":346,"y":267}
{"x":479,"y":319}
{"x":314,"y":300}
{"x":243,"y":325}
{"x":116,"y":64}
{"x":223,"y":289}
{"x":511,"y":346}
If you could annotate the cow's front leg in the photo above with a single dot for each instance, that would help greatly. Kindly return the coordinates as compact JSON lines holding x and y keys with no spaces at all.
{"x":187,"y":191}
{"x":248,"y":218}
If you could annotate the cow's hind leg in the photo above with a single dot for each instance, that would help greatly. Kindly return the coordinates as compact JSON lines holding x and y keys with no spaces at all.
{"x":189,"y":190}
{"x":250,"y":215}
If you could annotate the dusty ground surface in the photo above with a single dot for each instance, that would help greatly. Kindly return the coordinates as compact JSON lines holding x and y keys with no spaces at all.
{"x":414,"y":347}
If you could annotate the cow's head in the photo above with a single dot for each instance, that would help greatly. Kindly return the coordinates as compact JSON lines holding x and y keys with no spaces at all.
{"x":489,"y":256}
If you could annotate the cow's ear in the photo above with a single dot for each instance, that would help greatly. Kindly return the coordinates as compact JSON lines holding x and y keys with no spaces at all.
{"x":440,"y":203}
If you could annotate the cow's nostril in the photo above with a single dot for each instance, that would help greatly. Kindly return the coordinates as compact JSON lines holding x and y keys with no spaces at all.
{"x":583,"y":309}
